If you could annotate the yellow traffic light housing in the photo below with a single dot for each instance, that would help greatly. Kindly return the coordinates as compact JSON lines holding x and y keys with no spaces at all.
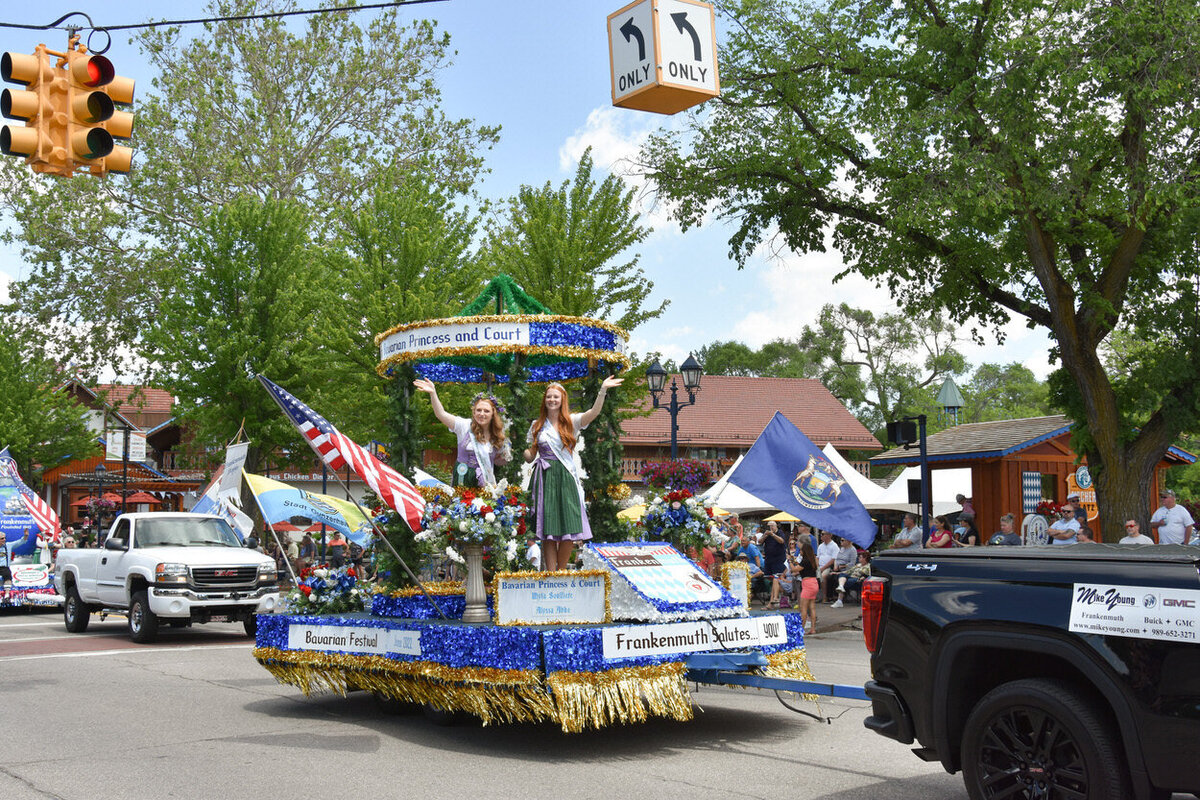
{"x":41,"y":139}
{"x":70,"y":113}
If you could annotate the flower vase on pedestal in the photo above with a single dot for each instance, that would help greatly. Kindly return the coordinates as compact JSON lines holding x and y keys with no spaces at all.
{"x":476,"y":610}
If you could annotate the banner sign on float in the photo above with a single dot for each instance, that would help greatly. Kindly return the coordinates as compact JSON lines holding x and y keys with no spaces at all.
{"x":477,"y":334}
{"x":578,"y":596}
{"x":632,"y":641}
{"x":349,"y":639}
{"x":1141,"y":612}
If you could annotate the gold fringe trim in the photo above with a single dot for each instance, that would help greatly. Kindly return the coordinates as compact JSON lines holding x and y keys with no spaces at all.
{"x":493,"y":695}
{"x":629,"y":694}
{"x":575,"y":700}
{"x":435,"y":587}
{"x":790,"y":664}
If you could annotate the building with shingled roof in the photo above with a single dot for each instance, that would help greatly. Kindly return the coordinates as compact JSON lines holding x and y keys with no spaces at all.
{"x":1017,"y":463}
{"x":729,"y":414}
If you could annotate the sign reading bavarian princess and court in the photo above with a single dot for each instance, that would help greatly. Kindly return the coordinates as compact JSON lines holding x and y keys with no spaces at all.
{"x":449,"y":349}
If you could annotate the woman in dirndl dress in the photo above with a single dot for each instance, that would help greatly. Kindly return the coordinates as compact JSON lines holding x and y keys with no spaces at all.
{"x":560,"y":515}
{"x":481,"y":441}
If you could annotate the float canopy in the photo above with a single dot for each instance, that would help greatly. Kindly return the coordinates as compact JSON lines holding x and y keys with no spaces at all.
{"x":477,"y":347}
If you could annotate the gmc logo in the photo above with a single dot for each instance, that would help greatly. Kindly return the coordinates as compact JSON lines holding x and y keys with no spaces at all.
{"x":225,"y":573}
{"x":1167,"y":601}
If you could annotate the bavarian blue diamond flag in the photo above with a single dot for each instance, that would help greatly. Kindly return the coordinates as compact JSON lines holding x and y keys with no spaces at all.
{"x":788,"y":471}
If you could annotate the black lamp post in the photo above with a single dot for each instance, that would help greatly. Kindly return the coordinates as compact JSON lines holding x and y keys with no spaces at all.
{"x":100,"y":471}
{"x":656,"y":377}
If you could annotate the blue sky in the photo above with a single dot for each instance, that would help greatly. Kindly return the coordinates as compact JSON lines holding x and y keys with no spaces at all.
{"x":540,"y":70}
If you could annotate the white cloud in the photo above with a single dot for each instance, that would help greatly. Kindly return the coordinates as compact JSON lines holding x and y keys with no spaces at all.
{"x":616,"y":135}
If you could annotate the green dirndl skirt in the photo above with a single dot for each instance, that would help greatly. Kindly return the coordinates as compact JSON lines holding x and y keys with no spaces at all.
{"x":558,"y":513}
{"x":466,"y":478}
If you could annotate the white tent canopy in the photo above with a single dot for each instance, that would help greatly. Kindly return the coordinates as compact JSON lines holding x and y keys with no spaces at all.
{"x":864,"y":488}
{"x":733,"y":498}
{"x":947,"y":484}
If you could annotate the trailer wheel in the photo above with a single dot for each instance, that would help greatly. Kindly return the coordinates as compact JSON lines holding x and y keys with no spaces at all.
{"x":1041,"y":738}
{"x":143,"y":623}
{"x":76,"y":614}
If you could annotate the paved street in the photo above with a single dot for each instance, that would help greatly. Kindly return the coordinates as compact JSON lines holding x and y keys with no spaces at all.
{"x":195,"y":717}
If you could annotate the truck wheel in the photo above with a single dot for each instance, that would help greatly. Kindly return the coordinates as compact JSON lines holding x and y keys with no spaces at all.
{"x":1041,"y":738}
{"x":143,"y":623}
{"x":76,"y":614}
{"x":250,"y":623}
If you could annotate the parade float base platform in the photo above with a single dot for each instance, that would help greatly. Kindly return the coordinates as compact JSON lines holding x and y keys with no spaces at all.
{"x":577,"y":676}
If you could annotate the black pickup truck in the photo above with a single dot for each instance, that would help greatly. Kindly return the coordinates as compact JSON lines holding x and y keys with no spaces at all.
{"x":1041,"y":672}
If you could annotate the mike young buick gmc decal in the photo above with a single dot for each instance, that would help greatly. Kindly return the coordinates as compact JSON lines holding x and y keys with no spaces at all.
{"x":1144,"y":612}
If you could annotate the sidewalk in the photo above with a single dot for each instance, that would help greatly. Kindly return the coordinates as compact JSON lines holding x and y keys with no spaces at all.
{"x":829,"y":619}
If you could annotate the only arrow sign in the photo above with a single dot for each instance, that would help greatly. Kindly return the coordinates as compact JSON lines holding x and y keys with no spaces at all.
{"x":629,"y":30}
{"x":681,"y":22}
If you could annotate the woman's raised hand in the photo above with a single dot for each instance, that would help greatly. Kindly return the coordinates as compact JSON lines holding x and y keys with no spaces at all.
{"x":425,"y":385}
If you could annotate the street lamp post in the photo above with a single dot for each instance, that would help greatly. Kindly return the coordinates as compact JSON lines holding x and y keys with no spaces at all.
{"x":656,"y":377}
{"x":99,"y":471}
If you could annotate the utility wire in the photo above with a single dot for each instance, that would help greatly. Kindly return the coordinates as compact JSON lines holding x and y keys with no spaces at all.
{"x":237,"y":18}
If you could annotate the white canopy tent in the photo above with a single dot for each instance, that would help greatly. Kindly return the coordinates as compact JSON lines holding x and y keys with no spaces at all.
{"x":864,"y":488}
{"x":947,"y":484}
{"x":733,"y":498}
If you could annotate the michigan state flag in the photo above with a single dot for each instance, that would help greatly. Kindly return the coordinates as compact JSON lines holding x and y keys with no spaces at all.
{"x":787,"y":470}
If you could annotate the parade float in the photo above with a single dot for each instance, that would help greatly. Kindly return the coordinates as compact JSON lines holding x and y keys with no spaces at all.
{"x":614,"y":642}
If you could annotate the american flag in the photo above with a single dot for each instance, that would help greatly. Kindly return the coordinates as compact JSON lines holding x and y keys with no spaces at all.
{"x":337,"y":451}
{"x":42,"y":513}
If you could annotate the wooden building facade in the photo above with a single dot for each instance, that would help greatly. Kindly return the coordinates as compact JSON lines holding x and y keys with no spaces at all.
{"x":1016,"y":464}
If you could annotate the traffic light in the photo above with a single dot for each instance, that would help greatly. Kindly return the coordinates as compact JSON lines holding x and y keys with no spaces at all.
{"x":70,"y":113}
{"x":40,"y":140}
{"x":93,"y":90}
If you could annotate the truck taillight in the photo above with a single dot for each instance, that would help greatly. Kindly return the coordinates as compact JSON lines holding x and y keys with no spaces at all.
{"x":872,"y":610}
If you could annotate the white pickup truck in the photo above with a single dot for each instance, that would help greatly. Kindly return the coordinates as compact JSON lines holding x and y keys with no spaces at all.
{"x":174,"y":567}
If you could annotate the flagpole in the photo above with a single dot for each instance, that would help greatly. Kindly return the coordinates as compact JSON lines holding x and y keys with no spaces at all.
{"x":274,"y":532}
{"x":371,"y":519}
{"x":383,"y":537}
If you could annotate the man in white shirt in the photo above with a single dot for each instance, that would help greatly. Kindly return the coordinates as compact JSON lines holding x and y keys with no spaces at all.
{"x":1134,"y":535}
{"x":534,"y":554}
{"x":826,"y":558}
{"x":1063,"y":531}
{"x":1172,"y":522}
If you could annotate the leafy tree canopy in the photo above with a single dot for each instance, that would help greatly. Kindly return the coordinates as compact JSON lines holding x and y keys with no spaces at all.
{"x":40,"y":426}
{"x":248,"y":108}
{"x":1011,"y":157}
{"x":562,"y":245}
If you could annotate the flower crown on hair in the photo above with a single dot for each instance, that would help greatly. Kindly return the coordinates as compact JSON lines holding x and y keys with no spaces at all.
{"x":495,"y":401}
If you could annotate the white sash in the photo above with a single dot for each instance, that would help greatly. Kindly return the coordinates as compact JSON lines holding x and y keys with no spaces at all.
{"x":484,"y":459}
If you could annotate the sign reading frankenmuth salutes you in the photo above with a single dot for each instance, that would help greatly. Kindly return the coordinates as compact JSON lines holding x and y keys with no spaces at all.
{"x":788,"y":471}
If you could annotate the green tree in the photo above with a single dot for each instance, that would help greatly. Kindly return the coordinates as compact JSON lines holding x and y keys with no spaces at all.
{"x":1004,"y":391}
{"x":405,"y":255}
{"x":997,"y":158}
{"x":40,"y":425}
{"x":254,"y":304}
{"x":247,"y":108}
{"x":562,"y":246}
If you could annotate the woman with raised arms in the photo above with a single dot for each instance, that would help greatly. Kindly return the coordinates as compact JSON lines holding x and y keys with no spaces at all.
{"x":481,"y":439}
{"x":560,"y":515}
